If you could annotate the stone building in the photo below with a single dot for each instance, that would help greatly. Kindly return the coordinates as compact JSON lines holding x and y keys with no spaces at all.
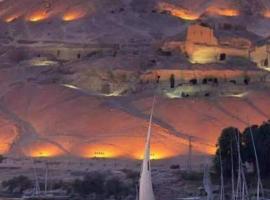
{"x":260,"y":54}
{"x":205,"y":45}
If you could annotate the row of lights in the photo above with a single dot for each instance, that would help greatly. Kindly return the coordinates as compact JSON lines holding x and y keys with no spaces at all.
{"x":181,"y":13}
{"x":98,"y":154}
{"x":42,"y":15}
{"x":190,"y":15}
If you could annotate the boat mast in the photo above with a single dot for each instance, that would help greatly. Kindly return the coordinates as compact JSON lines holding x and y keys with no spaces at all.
{"x":241,"y":188}
{"x":222,"y":195}
{"x":259,"y":181}
{"x":37,"y":187}
{"x":46,"y":178}
{"x":146,"y":187}
{"x":239,"y":175}
{"x":207,"y":183}
{"x":232,"y":171}
{"x":189,"y":165}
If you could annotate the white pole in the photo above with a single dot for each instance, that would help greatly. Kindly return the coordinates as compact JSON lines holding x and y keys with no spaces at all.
{"x":259,"y":181}
{"x":221,"y":177}
{"x":232,"y":171}
{"x":46,"y":178}
{"x":239,"y":185}
{"x":146,"y":188}
{"x":189,"y":165}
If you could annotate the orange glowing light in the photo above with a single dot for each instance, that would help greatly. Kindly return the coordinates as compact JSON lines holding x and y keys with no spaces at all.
{"x":153,"y":156}
{"x":72,"y":15}
{"x":179,"y":12}
{"x":158,"y":152}
{"x":210,"y":150}
{"x":228,"y":12}
{"x":40,"y":149}
{"x":184,"y":14}
{"x":4,"y":148}
{"x":37,"y":16}
{"x":100,"y":151}
{"x":11,"y":18}
{"x":44,"y":154}
{"x":267,"y":14}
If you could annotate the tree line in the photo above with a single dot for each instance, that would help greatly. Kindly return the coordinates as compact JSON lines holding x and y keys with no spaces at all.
{"x":232,"y":141}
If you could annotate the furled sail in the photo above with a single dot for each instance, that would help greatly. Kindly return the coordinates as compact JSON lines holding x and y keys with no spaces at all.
{"x":146,"y":188}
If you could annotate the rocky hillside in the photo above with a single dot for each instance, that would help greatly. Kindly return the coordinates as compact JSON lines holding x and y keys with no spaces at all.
{"x":120,"y":21}
{"x":49,"y":107}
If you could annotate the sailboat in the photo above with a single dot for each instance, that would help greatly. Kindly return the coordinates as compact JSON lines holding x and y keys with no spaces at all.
{"x":145,"y":186}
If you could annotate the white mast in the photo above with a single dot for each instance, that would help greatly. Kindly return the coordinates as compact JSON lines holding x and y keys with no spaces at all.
{"x":146,"y":188}
{"x":241,"y":188}
{"x":222,"y":194}
{"x":232,"y":172}
{"x":36,"y":188}
{"x":207,"y":183}
{"x":46,"y":178}
{"x":259,"y":181}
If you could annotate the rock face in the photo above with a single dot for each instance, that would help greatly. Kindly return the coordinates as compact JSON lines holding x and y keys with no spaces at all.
{"x":261,"y":55}
{"x":120,"y":20}
{"x":51,"y":120}
{"x":78,"y":78}
{"x":201,"y":34}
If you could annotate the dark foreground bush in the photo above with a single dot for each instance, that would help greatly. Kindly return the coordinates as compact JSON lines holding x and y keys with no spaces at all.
{"x":17,"y":184}
{"x":95,"y":186}
{"x":194,"y":176}
{"x":175,"y":166}
{"x":232,"y":140}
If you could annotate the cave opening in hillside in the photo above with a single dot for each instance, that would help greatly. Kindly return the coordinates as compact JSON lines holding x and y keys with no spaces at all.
{"x":265,"y":63}
{"x":215,"y":80}
{"x":247,"y":81}
{"x":233,"y":82}
{"x":204,"y":81}
{"x":193,"y":81}
{"x":172,"y":81}
{"x":158,"y":79}
{"x":222,"y":57}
